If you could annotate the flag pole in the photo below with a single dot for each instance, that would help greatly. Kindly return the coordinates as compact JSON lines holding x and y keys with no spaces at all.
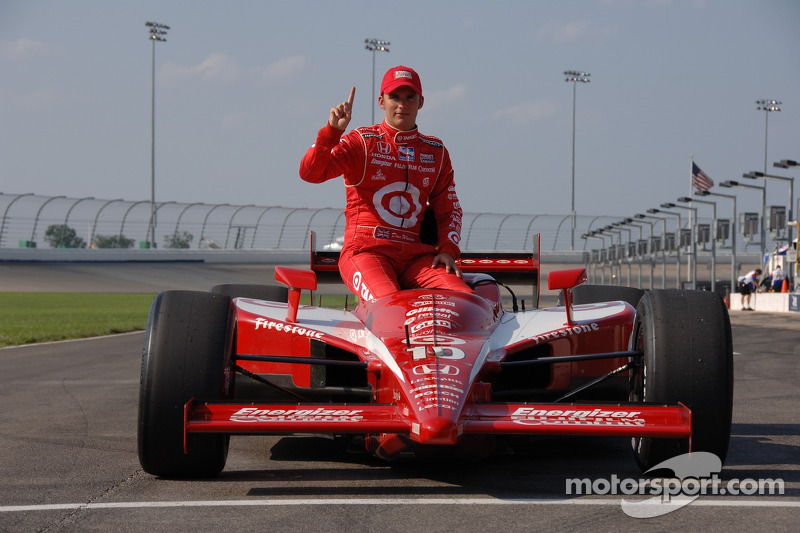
{"x":692,"y":224}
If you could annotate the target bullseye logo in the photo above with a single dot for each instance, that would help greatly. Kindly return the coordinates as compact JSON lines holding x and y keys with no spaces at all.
{"x":398,"y":204}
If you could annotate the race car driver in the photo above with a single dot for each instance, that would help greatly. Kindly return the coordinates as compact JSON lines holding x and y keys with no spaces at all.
{"x":392,"y":173}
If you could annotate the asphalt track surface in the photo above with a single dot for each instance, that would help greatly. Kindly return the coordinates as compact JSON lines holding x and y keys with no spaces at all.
{"x":68,"y":463}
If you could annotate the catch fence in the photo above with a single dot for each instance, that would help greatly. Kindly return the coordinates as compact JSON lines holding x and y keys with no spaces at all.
{"x":26,"y":219}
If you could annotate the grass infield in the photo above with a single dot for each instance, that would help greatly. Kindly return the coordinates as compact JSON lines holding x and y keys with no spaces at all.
{"x":31,"y":317}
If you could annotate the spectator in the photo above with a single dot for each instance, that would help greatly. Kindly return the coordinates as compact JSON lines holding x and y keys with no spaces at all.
{"x":778,"y":276}
{"x":747,"y":286}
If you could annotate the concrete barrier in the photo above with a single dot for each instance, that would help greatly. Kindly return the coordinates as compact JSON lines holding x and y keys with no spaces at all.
{"x":769,"y":302}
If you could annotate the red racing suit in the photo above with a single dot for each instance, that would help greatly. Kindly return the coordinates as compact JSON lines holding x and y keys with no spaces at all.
{"x":390,"y":178}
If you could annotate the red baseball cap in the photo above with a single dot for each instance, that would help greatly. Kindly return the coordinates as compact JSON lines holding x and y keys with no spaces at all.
{"x":401,"y":76}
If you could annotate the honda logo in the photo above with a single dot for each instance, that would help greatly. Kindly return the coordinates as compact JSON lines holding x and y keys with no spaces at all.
{"x":445,"y":370}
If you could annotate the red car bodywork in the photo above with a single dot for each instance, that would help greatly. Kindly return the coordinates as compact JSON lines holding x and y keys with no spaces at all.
{"x":426,"y":367}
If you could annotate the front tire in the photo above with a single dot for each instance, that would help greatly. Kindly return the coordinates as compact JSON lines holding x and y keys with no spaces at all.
{"x":187,"y":354}
{"x":685,"y":337}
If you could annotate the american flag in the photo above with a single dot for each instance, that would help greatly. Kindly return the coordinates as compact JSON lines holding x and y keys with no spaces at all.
{"x":700,"y":179}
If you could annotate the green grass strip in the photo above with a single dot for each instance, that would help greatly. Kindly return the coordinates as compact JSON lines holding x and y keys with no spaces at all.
{"x":30,"y":317}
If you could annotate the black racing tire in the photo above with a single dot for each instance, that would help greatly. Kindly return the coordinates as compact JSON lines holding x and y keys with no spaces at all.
{"x":187,"y":354}
{"x":590,"y":294}
{"x":685,"y":337}
{"x":272,"y":293}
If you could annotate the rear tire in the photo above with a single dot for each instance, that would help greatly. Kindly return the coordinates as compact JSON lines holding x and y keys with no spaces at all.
{"x":187,"y":354}
{"x":271,"y":293}
{"x":688,"y":358}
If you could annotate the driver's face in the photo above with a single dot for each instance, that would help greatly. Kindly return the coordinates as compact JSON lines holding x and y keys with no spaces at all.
{"x":401,"y":107}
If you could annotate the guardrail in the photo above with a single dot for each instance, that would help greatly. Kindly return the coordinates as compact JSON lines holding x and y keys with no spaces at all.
{"x":27,"y":218}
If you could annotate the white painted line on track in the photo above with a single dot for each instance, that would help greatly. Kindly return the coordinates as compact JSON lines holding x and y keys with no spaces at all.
{"x":788,"y":503}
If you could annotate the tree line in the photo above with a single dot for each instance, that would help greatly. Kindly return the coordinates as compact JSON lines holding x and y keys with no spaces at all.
{"x":64,"y":236}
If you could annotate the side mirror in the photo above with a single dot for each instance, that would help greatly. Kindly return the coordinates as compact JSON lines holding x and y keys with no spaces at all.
{"x":566,"y":280}
{"x":296,"y":279}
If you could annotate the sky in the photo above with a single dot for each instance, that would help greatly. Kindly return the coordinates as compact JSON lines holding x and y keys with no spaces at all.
{"x":241,"y":88}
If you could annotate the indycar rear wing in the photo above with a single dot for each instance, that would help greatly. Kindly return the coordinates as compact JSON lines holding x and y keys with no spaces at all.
{"x":506,"y":267}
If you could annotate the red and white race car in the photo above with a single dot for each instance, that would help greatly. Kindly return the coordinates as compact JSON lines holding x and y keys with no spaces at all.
{"x":427,"y":370}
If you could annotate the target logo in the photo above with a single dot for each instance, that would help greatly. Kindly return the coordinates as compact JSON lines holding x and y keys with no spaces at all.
{"x":361,"y":289}
{"x":398,"y":204}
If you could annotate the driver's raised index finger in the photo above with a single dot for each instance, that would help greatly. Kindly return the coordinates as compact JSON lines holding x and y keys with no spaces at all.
{"x":352,"y":96}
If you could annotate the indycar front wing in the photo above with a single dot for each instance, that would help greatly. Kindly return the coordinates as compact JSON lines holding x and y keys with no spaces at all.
{"x":481,"y":418}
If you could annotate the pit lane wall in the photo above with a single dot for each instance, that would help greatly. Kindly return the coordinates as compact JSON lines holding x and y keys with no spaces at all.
{"x":768,"y":302}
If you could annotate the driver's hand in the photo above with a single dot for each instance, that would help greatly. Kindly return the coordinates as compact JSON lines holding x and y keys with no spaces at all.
{"x":449,"y":264}
{"x":342,"y":113}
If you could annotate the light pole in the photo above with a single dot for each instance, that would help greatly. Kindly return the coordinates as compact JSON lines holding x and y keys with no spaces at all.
{"x":789,"y":163}
{"x":574,"y":76}
{"x":375,"y":45}
{"x":732,"y":230}
{"x":712,"y":235}
{"x":598,"y":234}
{"x":763,"y":235}
{"x":619,"y":225}
{"x":158,"y":33}
{"x":591,"y":235}
{"x":606,"y":248}
{"x":754,"y":175}
{"x":694,"y":238}
{"x":677,"y":238}
{"x":641,"y":220}
{"x":614,"y":231}
{"x":767,"y":106}
{"x":635,"y":224}
{"x":630,"y":221}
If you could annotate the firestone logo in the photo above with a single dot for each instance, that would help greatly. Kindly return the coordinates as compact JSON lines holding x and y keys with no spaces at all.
{"x":283,"y":327}
{"x":566,"y":332}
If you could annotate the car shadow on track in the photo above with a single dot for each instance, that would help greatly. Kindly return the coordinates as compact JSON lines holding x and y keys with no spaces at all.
{"x":765,"y":451}
{"x":526,"y":468}
{"x":531,"y":467}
